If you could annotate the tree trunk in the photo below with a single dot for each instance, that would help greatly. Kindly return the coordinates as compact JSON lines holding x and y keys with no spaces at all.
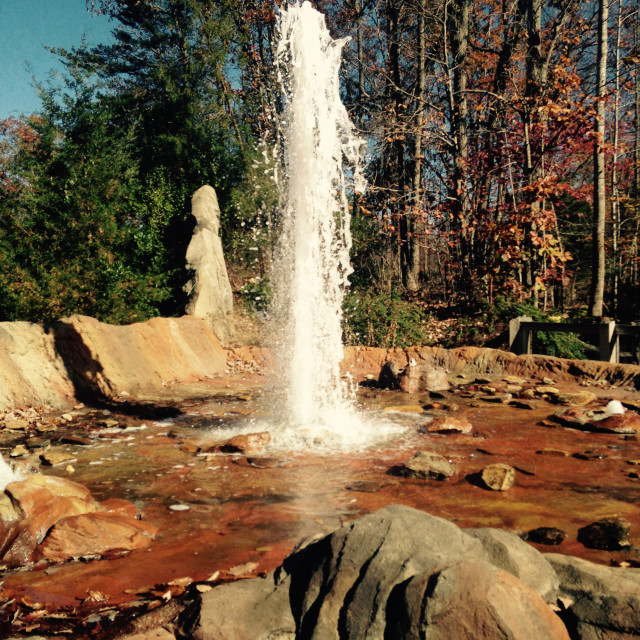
{"x":599,"y":185}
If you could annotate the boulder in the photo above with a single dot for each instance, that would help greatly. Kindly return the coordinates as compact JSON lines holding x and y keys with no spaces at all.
{"x":423,"y":377}
{"x":209,"y":290}
{"x":609,"y":533}
{"x":472,"y":600}
{"x":603,"y":603}
{"x":507,"y":551}
{"x":245,"y":610}
{"x":93,"y":534}
{"x":397,"y":573}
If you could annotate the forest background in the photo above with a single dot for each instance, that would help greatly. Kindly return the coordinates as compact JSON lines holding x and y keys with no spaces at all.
{"x":503,"y":142}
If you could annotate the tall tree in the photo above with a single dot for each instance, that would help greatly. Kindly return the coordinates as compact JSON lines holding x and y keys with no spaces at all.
{"x":599,"y":183}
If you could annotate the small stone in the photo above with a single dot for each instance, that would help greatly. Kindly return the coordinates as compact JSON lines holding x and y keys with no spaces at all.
{"x":483,"y":380}
{"x":499,"y":476}
{"x":501,"y":399}
{"x":46,"y":426}
{"x":424,"y":465}
{"x":513,"y":388}
{"x":590,"y":454}
{"x":53,"y":458}
{"x":447,"y":424}
{"x":610,"y":534}
{"x":488,"y":390}
{"x":528,"y":393}
{"x":552,"y":391}
{"x":15,"y":424}
{"x":552,"y":452}
{"x":635,"y":463}
{"x":576,"y":399}
{"x":109,"y":423}
{"x":243,"y":569}
{"x":245,"y":398}
{"x":247,"y":443}
{"x":404,"y":408}
{"x":179,"y":507}
{"x":546,"y":535}
{"x":67,"y":417}
{"x":522,"y":404}
{"x":548,"y":381}
{"x":514,"y":380}
{"x":19,"y":451}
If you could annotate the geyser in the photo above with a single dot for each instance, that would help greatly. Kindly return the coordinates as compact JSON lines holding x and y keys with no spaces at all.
{"x":312,"y":267}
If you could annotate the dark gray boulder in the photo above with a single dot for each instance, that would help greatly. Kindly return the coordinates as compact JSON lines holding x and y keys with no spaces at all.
{"x":399,"y":574}
{"x":603,"y":603}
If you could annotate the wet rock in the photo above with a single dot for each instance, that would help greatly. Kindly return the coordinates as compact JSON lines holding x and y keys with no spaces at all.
{"x":603,"y":602}
{"x":33,"y":529}
{"x":579,"y":398}
{"x":422,"y":377}
{"x":16,"y":424}
{"x":389,"y":374}
{"x":590,"y":454}
{"x":53,"y":458}
{"x":508,"y":552}
{"x":404,"y":408}
{"x":37,"y":490}
{"x":553,"y":452}
{"x":499,"y":476}
{"x":424,"y":465}
{"x":522,"y":404}
{"x":609,"y":533}
{"x":19,"y":451}
{"x":94,"y":534}
{"x":447,"y":424}
{"x":628,"y":422}
{"x":547,"y":390}
{"x":248,"y":443}
{"x":546,"y":535}
{"x":498,"y":399}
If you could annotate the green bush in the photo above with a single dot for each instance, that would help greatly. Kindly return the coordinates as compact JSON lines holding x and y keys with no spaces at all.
{"x":382,"y":320}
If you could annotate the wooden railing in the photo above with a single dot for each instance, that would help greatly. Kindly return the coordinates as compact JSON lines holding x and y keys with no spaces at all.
{"x":607,"y":335}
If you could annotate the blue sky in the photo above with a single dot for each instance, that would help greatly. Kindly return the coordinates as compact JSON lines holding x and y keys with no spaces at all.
{"x":26,"y":26}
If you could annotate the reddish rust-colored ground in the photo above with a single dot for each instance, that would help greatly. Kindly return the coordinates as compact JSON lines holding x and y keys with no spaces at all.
{"x":255,"y":511}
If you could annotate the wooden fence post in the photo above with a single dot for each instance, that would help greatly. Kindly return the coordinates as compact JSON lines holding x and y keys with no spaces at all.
{"x":609,"y":343}
{"x":519,"y":336}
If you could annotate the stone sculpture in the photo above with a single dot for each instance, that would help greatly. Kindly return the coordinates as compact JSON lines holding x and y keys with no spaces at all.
{"x":209,"y":290}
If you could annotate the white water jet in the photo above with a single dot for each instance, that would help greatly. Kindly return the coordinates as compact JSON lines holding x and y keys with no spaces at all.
{"x":312,"y":269}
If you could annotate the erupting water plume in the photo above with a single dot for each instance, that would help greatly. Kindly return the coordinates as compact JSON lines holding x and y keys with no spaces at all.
{"x":313,"y":258}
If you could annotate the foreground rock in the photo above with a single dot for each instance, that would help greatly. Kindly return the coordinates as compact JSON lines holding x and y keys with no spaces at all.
{"x":397,"y":573}
{"x":603,"y":603}
{"x":49,"y":518}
